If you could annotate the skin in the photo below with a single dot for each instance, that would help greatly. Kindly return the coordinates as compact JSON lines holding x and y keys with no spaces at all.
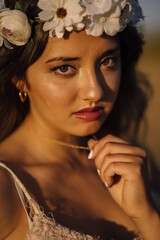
{"x":77,"y":87}
{"x":90,"y":79}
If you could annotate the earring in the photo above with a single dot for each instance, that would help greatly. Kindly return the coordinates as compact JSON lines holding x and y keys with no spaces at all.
{"x":23,"y":96}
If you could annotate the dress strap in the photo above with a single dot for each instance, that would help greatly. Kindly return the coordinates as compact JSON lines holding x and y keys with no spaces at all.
{"x":22,"y":191}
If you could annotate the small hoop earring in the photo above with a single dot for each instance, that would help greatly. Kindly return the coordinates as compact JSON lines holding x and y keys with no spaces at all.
{"x":23,"y":96}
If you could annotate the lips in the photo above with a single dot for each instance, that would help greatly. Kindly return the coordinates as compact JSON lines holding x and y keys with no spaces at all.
{"x":89,"y":114}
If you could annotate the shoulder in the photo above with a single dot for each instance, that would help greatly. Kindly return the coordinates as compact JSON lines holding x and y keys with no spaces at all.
{"x":9,"y":203}
{"x":5,"y":181}
{"x":7,"y":185}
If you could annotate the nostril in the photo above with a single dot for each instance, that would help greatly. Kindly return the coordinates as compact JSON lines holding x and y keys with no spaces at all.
{"x":92,"y":92}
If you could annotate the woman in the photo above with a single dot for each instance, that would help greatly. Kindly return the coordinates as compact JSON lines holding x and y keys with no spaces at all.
{"x":64,"y":67}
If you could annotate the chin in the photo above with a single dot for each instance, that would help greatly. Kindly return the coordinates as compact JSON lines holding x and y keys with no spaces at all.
{"x":91,"y":130}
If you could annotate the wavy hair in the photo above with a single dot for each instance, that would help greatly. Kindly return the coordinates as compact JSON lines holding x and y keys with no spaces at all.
{"x":132,"y":98}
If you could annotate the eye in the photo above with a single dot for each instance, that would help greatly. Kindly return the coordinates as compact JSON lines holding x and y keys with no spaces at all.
{"x":64,"y":70}
{"x":109,"y":62}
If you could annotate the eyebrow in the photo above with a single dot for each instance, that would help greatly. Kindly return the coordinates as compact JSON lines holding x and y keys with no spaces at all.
{"x":64,"y":59}
{"x":110,"y":52}
{"x":67,"y":59}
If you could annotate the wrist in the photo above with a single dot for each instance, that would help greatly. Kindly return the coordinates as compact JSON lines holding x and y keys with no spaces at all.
{"x":149,"y":225}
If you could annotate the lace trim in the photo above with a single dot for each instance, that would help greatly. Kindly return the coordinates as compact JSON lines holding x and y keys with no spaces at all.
{"x":22,"y":187}
{"x":43,"y":227}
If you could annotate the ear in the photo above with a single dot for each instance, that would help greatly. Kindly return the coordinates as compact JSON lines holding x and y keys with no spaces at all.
{"x":20,"y":84}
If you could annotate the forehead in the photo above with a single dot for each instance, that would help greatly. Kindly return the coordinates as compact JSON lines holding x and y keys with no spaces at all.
{"x":79,"y":44}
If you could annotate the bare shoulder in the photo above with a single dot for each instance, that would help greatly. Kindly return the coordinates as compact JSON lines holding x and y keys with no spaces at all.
{"x":4,"y":145}
{"x":9,"y":149}
{"x":9,"y":203}
{"x":7,"y":185}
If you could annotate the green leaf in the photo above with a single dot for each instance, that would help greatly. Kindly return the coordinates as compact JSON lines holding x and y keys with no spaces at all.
{"x":18,"y":6}
{"x":32,"y":41}
{"x":31,"y":21}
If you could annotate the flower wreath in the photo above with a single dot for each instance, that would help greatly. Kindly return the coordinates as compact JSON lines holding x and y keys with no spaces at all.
{"x":94,"y":16}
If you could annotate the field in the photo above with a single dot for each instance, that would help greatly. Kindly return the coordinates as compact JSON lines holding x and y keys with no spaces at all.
{"x":150,"y":65}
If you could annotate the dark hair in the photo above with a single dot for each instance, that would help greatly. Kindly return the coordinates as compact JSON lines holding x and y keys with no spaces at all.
{"x":135,"y":90}
{"x":131,"y":100}
{"x":13,"y":63}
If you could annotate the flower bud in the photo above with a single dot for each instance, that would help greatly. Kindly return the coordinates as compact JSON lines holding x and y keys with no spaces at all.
{"x":14,"y":27}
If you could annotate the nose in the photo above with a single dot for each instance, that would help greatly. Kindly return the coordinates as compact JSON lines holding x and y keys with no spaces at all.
{"x":91,"y":85}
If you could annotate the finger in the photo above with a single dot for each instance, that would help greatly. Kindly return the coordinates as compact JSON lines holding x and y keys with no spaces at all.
{"x":108,"y":139}
{"x":91,"y":144}
{"x":129,"y":172}
{"x":117,"y":148}
{"x":123,"y":158}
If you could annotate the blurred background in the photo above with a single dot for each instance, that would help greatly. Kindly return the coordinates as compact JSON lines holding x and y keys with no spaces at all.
{"x":150,"y":65}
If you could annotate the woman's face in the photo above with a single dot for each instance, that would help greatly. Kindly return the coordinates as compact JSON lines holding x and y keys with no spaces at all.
{"x":74,"y":84}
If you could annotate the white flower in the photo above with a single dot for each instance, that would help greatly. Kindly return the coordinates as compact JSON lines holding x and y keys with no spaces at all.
{"x":95,"y":16}
{"x":112,"y":21}
{"x":14,"y":27}
{"x":97,"y":6}
{"x":2,"y":5}
{"x":104,"y":23}
{"x":61,"y":15}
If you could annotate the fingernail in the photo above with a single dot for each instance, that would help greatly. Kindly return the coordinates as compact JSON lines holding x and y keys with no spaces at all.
{"x":106,"y":184}
{"x":98,"y":171}
{"x":90,"y":154}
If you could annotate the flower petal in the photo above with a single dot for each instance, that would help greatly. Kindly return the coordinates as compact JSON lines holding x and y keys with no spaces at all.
{"x":7,"y":45}
{"x":2,"y":4}
{"x":1,"y":41}
{"x":112,"y":26}
{"x":14,"y":27}
{"x":97,"y":16}
{"x":98,"y":7}
{"x":79,"y":26}
{"x":95,"y":29}
{"x":48,"y":5}
{"x":68,"y":22}
{"x":50,"y":25}
{"x":45,"y":15}
{"x":69,"y":29}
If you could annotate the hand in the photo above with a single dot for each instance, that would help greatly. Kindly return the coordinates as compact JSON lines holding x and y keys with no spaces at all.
{"x":123,"y":169}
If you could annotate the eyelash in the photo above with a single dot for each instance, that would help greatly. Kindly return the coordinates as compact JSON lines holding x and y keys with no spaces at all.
{"x":58,"y":70}
{"x":70,"y":70}
{"x":111,"y":62}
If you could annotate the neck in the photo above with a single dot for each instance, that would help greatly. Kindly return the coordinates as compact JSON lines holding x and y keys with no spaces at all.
{"x":51,"y":147}
{"x":70,"y":145}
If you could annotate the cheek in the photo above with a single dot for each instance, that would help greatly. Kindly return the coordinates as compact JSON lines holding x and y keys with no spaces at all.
{"x":114,"y":80}
{"x":112,"y":85}
{"x":47,"y":92}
